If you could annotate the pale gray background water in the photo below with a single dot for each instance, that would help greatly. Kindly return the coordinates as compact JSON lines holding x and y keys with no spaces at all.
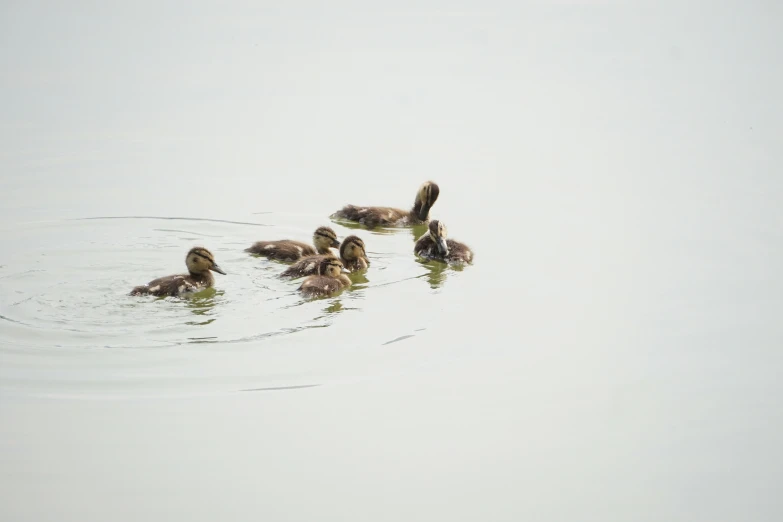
{"x":612,"y":355}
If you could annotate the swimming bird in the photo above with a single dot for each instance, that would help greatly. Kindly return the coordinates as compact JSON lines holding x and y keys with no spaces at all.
{"x":352,"y":255}
{"x":199,"y":262}
{"x":374,"y":216}
{"x":290,"y":250}
{"x":435,"y":245}
{"x":328,"y":280}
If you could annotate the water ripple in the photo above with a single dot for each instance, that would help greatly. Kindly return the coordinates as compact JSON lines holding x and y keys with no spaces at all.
{"x":173,"y":218}
{"x":280,"y":388}
{"x":66,"y":318}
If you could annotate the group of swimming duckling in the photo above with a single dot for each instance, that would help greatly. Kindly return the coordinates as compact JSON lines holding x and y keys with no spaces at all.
{"x":323,"y":271}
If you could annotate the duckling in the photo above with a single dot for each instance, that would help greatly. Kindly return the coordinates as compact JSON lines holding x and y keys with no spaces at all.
{"x":352,"y":255}
{"x":434,"y":245}
{"x":328,"y":280}
{"x":290,"y":250}
{"x":374,"y":216}
{"x":199,"y":262}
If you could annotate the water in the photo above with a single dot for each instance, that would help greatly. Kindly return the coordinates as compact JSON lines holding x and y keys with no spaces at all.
{"x":67,"y":293}
{"x":611,"y":354}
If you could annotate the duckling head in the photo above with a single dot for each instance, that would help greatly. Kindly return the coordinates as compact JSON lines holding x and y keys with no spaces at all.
{"x":201,"y":260}
{"x":325,"y":238}
{"x":426,"y":197}
{"x":352,"y":248}
{"x":330,"y":267}
{"x":438,"y":232}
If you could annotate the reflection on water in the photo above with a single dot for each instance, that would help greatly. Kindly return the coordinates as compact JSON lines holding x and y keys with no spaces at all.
{"x":358,"y":278}
{"x":417,"y":231}
{"x":202,"y":340}
{"x":436,"y":272}
{"x":358,"y":226}
{"x":335,"y":307}
{"x":202,"y":304}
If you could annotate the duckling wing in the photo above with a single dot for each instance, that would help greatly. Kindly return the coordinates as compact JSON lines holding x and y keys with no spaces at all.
{"x":350,"y":212}
{"x":160,"y":287}
{"x":306,"y":266}
{"x":320,"y":285}
{"x":172,"y":286}
{"x":283,"y":250}
{"x":372,"y":216}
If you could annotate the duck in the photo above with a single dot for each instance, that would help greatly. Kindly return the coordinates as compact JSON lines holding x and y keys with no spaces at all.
{"x":435,"y":245}
{"x":200,"y":263}
{"x":371,"y":217}
{"x":329,"y":279}
{"x":324,"y":238}
{"x":352,"y":255}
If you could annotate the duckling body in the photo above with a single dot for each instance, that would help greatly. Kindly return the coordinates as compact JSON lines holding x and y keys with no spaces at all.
{"x":289,"y":250}
{"x":318,"y":285}
{"x":458,"y":252}
{"x":328,"y":280}
{"x":352,"y":255}
{"x":435,"y":245}
{"x":200,"y":262}
{"x":388,"y":216}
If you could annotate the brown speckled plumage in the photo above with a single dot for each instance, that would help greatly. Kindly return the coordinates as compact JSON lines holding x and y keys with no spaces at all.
{"x":305,"y":266}
{"x":372,"y":217}
{"x":428,"y":246}
{"x":199,"y":262}
{"x":352,"y":255}
{"x":329,"y":279}
{"x":290,"y":250}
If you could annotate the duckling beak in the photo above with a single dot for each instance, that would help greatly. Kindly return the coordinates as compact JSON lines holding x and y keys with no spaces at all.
{"x":217,"y":269}
{"x":442,"y":247}
{"x":424,"y":212}
{"x":335,"y":243}
{"x":345,"y":271}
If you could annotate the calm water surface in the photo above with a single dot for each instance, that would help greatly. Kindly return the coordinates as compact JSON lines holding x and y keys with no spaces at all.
{"x":612,"y":355}
{"x":69,"y":327}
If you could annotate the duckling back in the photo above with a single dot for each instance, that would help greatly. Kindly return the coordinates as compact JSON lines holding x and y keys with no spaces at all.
{"x":329,"y":279}
{"x":175,"y":285}
{"x":319,"y":285}
{"x":372,"y":217}
{"x":305,"y":266}
{"x":290,"y":250}
{"x":459,"y":252}
{"x":283,"y":250}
